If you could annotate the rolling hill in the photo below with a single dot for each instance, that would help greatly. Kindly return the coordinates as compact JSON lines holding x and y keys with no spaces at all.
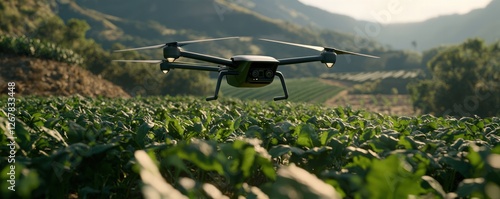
{"x":447,"y":29}
{"x":450,"y":29}
{"x":152,"y":22}
{"x":308,"y":16}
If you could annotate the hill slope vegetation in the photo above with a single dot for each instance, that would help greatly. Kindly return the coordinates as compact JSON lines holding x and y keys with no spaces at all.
{"x":50,"y":78}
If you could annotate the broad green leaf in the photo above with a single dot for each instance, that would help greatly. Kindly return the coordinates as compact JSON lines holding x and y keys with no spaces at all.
{"x":22,"y":134}
{"x":55,"y":134}
{"x":471,"y":187}
{"x":459,"y":165}
{"x":307,"y":136}
{"x":141,"y":133}
{"x":392,"y":178}
{"x":428,"y":181}
{"x":154,"y":184}
{"x":97,"y":149}
{"x":326,"y":136}
{"x":202,"y":154}
{"x":28,"y":182}
{"x":296,"y":182}
{"x":354,"y":151}
{"x":280,"y":150}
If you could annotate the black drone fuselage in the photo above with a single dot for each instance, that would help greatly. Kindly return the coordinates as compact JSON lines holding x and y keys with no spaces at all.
{"x":243,"y":71}
{"x":252,"y":70}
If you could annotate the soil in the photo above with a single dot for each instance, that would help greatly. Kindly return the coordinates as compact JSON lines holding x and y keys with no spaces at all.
{"x":400,"y":105}
{"x":41,"y":77}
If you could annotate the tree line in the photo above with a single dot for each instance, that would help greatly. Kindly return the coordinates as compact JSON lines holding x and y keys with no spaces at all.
{"x":464,"y":81}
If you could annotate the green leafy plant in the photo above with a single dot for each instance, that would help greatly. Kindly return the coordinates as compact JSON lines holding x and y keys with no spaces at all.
{"x":184,"y":147}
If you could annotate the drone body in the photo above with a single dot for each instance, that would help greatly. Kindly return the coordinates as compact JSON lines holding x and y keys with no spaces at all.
{"x":239,"y":70}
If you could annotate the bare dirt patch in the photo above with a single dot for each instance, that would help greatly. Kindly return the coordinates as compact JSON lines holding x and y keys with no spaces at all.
{"x":381,"y":103}
{"x":385,"y":104}
{"x":50,"y":78}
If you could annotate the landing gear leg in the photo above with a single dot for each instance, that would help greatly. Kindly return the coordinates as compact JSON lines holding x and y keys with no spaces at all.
{"x":282,"y":78}
{"x":217,"y":87}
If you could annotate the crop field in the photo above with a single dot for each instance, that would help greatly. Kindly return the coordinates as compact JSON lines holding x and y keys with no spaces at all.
{"x":300,"y":90}
{"x":184,"y":147}
{"x":370,"y":76}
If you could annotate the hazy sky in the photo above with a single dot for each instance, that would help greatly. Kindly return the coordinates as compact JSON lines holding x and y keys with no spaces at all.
{"x":397,"y":11}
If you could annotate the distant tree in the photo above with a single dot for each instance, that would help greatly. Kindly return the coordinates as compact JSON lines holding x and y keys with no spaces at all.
{"x":75,"y":32}
{"x":52,"y":29}
{"x":464,"y":81}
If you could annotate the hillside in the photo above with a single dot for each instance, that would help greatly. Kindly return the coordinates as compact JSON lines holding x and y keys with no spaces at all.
{"x":442,"y":30}
{"x":135,"y":24}
{"x":296,"y":12}
{"x":119,"y":24}
{"x":50,"y":78}
{"x":450,"y":29}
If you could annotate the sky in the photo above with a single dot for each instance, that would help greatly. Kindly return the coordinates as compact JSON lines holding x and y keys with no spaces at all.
{"x":397,"y":11}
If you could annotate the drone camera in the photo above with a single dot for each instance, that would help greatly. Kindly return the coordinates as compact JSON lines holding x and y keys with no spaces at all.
{"x":261,"y":72}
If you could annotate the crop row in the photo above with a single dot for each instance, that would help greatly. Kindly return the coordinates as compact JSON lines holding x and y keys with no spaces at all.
{"x":300,"y":90}
{"x":371,"y":76}
{"x":182,"y":147}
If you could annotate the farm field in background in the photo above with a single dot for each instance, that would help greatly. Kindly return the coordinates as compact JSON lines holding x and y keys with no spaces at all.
{"x":184,"y":147}
{"x":311,"y":90}
{"x":400,"y":105}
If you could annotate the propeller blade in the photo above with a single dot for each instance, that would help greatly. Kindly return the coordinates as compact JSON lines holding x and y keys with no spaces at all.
{"x":179,"y":44}
{"x":188,"y":63}
{"x":183,"y":43}
{"x":142,"y":48}
{"x":353,"y":53}
{"x":141,"y":61}
{"x":318,"y":48}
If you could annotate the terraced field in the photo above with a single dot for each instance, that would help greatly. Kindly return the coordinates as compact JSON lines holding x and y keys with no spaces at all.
{"x":300,"y":90}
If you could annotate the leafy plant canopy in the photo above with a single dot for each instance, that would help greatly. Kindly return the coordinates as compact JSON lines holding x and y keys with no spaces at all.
{"x":183,"y":147}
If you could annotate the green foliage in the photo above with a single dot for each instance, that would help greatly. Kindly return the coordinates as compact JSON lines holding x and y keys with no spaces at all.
{"x":72,"y":36}
{"x":464,"y":81}
{"x":37,"y":48}
{"x":185,"y":147}
{"x":43,"y":29}
{"x":21,"y":17}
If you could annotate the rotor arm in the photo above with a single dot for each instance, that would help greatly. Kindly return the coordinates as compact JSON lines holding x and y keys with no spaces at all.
{"x":207,"y":58}
{"x":298,"y":60}
{"x":167,"y":66}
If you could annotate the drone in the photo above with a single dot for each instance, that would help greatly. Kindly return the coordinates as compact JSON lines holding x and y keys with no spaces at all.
{"x":239,"y":70}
